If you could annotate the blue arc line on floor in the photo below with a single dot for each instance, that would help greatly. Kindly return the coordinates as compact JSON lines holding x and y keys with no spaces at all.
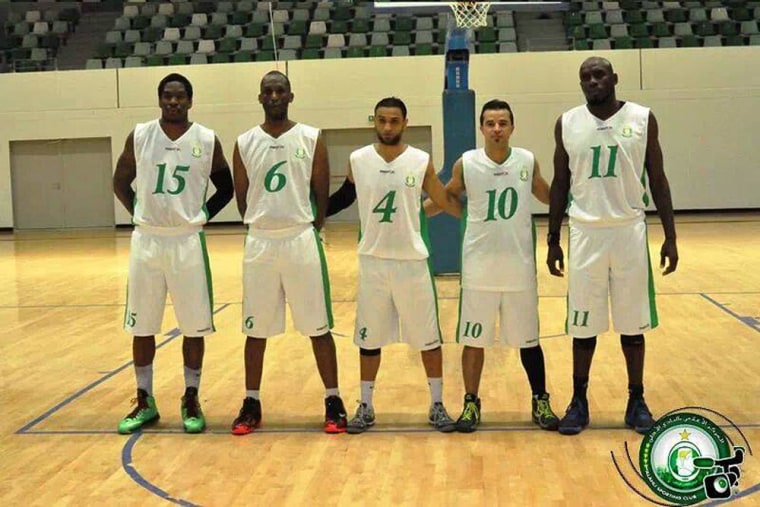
{"x":746,"y":320}
{"x":126,"y":463}
{"x":171,"y":335}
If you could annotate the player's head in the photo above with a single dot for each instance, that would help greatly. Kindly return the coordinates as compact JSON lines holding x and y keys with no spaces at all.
{"x":497,"y":122}
{"x":275,"y":95}
{"x":175,"y":98}
{"x":598,"y":80}
{"x":390,"y":120}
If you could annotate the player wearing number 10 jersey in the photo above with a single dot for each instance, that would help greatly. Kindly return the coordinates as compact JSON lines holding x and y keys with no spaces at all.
{"x":279,"y":165}
{"x":499,"y":260}
{"x":171,"y":161}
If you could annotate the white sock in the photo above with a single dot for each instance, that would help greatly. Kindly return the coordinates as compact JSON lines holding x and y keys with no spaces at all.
{"x":332,"y":392}
{"x":436,"y":389}
{"x":368,"y":387}
{"x":250,"y":393}
{"x":144,"y":375}
{"x":192,"y":377}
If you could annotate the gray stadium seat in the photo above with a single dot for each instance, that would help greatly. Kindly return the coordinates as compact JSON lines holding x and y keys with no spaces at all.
{"x":185,"y":47}
{"x":113,"y":63}
{"x":198,"y":59}
{"x":133,"y":61}
{"x":333,"y":53}
{"x":668,"y":42}
{"x":93,"y":63}
{"x":400,"y":51}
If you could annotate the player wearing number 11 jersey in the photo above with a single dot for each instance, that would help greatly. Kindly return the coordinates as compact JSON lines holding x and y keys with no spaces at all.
{"x":171,"y":161}
{"x":605,"y":151}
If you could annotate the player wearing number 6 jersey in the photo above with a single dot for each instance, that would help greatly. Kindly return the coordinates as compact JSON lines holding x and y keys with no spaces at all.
{"x":279,"y":166}
{"x":605,"y":151}
{"x":498,"y":260}
{"x":396,"y":298}
{"x":171,"y":161}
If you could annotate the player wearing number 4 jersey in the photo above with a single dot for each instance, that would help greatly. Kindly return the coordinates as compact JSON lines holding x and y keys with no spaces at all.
{"x":498,"y":260}
{"x":171,"y":161}
{"x":396,"y":298}
{"x":277,"y":165}
{"x":605,"y":149}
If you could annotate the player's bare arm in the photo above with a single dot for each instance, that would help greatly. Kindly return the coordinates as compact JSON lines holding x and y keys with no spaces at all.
{"x":660,"y":187}
{"x":221,"y":177}
{"x":539,"y":187}
{"x":438,"y":194}
{"x":241,"y":181}
{"x":455,"y":188}
{"x":344,"y":196}
{"x":558,"y":193}
{"x":126,"y":171}
{"x":320,"y":181}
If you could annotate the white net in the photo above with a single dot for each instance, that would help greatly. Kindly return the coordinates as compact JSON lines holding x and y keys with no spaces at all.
{"x":470,"y":14}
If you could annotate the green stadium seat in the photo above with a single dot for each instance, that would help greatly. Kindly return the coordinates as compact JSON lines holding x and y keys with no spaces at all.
{"x":735,"y":40}
{"x":704,"y":29}
{"x":220,"y":58}
{"x":239,"y":18}
{"x":597,"y":32}
{"x":254,"y":30}
{"x":741,"y":14}
{"x":638,"y":31}
{"x":579,"y":32}
{"x":634,"y":17}
{"x":574,"y":19}
{"x":310,"y":54}
{"x":339,"y":26}
{"x":689,"y":41}
{"x":360,"y":26}
{"x":402,"y":39}
{"x":177,"y":60}
{"x":404,"y":24}
{"x":243,"y":56}
{"x":313,"y":42}
{"x":355,"y":52}
{"x":727,"y":29}
{"x":580,"y":44}
{"x":227,"y":45}
{"x":375,"y":51}
{"x":487,"y":47}
{"x":423,"y":49}
{"x":486,"y":34}
{"x":623,"y":43}
{"x":676,"y":15}
{"x":342,"y":13}
{"x":644,"y":43}
{"x":265,"y":56}
{"x":661,"y":30}
{"x":297,"y":28}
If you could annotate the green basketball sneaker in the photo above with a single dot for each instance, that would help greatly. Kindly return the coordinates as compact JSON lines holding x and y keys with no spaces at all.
{"x":144,"y":413}
{"x":542,"y":413}
{"x":192,"y":415}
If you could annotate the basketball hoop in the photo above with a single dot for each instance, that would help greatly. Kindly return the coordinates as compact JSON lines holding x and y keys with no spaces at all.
{"x":470,"y":14}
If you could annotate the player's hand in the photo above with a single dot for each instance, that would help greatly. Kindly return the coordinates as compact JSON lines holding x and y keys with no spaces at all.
{"x":669,"y":251}
{"x":555,"y":259}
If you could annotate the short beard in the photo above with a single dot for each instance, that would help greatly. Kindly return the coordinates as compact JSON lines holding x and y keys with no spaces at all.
{"x":393,"y":142}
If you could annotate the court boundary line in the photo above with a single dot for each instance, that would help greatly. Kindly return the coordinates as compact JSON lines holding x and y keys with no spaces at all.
{"x":171,"y":335}
{"x":748,"y":321}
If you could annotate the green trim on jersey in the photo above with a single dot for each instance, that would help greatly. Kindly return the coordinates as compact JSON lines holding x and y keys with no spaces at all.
{"x":325,"y":279}
{"x":462,"y":230}
{"x":126,"y":308}
{"x":205,"y":210}
{"x":426,"y":240}
{"x":535,"y":262}
{"x":653,"y":319}
{"x":645,"y":197}
{"x":207,"y":265}
{"x":567,"y":294}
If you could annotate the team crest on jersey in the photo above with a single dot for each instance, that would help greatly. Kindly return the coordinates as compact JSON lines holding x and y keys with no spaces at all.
{"x":524,"y":174}
{"x":627,"y":131}
{"x":300,"y":153}
{"x":197,"y":151}
{"x":410,"y":180}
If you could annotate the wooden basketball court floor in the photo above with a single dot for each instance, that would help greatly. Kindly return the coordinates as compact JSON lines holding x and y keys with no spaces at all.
{"x":66,"y":379}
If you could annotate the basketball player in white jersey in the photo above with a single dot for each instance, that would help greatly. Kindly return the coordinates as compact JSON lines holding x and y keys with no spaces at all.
{"x":396,"y":296}
{"x":499,"y":260}
{"x":605,"y":151}
{"x":277,"y":166}
{"x":171,"y":161}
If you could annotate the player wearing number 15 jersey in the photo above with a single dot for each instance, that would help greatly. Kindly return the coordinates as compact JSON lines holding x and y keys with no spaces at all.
{"x":279,"y":166}
{"x":605,"y":151}
{"x":171,"y":161}
{"x":396,"y":297}
{"x":499,"y":260}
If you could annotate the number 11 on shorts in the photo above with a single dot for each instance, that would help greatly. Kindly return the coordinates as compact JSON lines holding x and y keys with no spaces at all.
{"x":582,"y":316}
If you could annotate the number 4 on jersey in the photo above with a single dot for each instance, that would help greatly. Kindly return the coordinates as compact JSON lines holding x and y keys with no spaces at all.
{"x":385,"y":207}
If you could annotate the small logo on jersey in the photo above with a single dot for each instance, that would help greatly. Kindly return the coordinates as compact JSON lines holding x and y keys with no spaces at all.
{"x":410,"y":180}
{"x":276,"y":147}
{"x":501,"y":173}
{"x":523,"y":174}
{"x":627,"y":131}
{"x":387,"y":171}
{"x":197,"y":151}
{"x":603,"y":127}
{"x":171,"y":148}
{"x":300,"y":153}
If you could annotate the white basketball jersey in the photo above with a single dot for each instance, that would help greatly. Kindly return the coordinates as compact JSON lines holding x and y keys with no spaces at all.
{"x":279,"y":177}
{"x":172,"y":176}
{"x":389,"y":199}
{"x":608,"y":179}
{"x":498,"y":246}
